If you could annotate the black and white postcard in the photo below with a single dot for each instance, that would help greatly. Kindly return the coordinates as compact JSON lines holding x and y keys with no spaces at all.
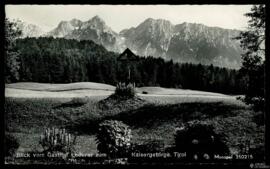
{"x":135,"y":84}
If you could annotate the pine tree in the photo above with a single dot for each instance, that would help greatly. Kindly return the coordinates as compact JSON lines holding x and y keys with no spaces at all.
{"x":12,"y":64}
{"x":253,"y":60}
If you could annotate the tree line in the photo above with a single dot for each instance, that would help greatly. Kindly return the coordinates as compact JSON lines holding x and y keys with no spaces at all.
{"x":58,"y":60}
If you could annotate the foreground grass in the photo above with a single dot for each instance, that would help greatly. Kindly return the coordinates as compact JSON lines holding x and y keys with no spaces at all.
{"x":150,"y":119}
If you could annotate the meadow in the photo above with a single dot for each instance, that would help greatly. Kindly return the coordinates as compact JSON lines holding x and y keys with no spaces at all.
{"x":152,"y":116}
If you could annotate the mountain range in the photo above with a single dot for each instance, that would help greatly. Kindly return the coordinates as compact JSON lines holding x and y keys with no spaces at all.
{"x":29,"y":30}
{"x":185,"y":42}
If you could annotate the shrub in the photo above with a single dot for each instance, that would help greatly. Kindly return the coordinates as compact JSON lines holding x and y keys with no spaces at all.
{"x":58,"y":140}
{"x":10,"y":145}
{"x":144,"y":92}
{"x":113,"y":138}
{"x":257,"y":103}
{"x":199,"y":140}
{"x":125,"y":90}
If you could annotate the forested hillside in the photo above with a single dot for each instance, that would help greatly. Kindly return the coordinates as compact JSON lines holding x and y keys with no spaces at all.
{"x":57,"y":60}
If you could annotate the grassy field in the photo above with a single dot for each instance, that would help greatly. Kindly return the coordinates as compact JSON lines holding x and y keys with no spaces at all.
{"x":88,"y":89}
{"x":151,"y":117}
{"x":59,"y":87}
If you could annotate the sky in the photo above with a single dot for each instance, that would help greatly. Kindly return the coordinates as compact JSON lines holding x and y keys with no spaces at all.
{"x":120,"y":17}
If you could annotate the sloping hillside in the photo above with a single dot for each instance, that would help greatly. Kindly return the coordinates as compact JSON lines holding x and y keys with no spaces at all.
{"x":84,"y":89}
{"x":59,"y":87}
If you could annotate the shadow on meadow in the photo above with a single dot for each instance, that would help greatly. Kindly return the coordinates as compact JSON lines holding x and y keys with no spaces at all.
{"x":150,"y":115}
{"x":149,"y":122}
{"x":83,"y":115}
{"x":184,"y":112}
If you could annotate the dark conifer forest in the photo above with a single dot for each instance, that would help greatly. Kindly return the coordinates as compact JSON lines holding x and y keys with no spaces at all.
{"x":57,"y":60}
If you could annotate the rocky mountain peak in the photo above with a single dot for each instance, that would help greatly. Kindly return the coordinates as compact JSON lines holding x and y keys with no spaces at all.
{"x":75,"y":22}
{"x":185,"y":42}
{"x":29,"y":30}
{"x":97,"y":19}
{"x":160,"y":22}
{"x":155,"y":26}
{"x":97,"y":23}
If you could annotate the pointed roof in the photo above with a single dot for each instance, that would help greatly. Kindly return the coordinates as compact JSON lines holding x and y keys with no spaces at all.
{"x":127,"y":55}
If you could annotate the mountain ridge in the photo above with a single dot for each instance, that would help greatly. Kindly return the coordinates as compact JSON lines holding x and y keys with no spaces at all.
{"x":29,"y":29}
{"x":184,"y":42}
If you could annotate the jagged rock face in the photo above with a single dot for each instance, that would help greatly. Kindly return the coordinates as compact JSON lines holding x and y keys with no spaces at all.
{"x":197,"y":43}
{"x":64,"y":28}
{"x":94,"y":29}
{"x":29,"y":30}
{"x":186,"y":42}
{"x":151,"y":37}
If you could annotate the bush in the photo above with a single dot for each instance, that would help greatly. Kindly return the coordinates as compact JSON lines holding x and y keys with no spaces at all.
{"x":113,"y":138}
{"x":144,"y":92}
{"x":10,"y":145}
{"x":199,"y":140}
{"x":125,"y":90}
{"x":257,"y":103}
{"x":57,"y":140}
